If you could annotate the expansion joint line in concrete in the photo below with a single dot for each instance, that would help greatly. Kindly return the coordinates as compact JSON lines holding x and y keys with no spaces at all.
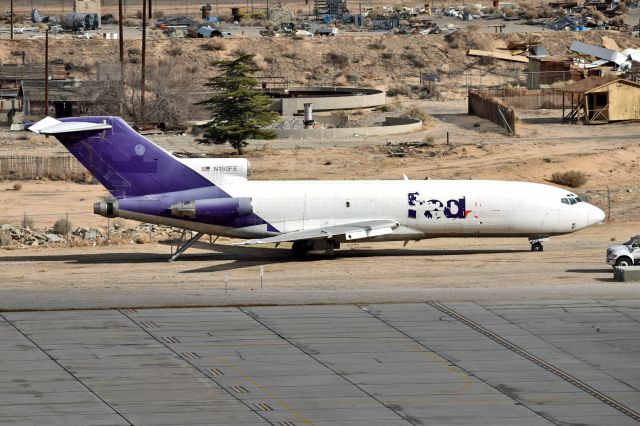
{"x":199,"y":369}
{"x":539,"y":362}
{"x":446,"y":359}
{"x":328,"y":367}
{"x":66,"y":370}
{"x":595,"y":367}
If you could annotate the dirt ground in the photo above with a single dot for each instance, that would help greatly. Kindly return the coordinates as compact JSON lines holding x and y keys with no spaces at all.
{"x":571,"y":267}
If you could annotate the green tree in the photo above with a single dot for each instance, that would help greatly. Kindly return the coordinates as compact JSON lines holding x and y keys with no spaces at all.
{"x":238,"y":110}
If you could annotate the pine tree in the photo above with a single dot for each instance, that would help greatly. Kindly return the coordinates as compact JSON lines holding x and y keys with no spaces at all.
{"x":239,"y":111}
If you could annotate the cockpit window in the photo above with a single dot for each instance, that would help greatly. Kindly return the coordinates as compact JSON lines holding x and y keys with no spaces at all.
{"x":571,"y":200}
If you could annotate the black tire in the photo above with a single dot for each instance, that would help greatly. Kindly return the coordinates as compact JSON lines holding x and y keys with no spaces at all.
{"x":300,"y":250}
{"x":623,"y":261}
{"x":537,"y":247}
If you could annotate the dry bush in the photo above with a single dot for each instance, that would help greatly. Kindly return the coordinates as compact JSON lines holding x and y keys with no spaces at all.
{"x":338,"y":59}
{"x":139,"y":14}
{"x":17,"y":186}
{"x":547,"y":11}
{"x":16,"y":53}
{"x":387,"y":56}
{"x":141,"y":238}
{"x":377,"y":45}
{"x":174,"y":50}
{"x":413,"y":59}
{"x":130,"y":22}
{"x":134,"y":51}
{"x":489,"y":10}
{"x":509,"y":12}
{"x":62,"y":226}
{"x":532,"y":14}
{"x":571,"y":178}
{"x":453,"y":39}
{"x":215,"y":45}
{"x":135,"y":60}
{"x":399,"y":89}
{"x":415,"y":112}
{"x":158,"y":14}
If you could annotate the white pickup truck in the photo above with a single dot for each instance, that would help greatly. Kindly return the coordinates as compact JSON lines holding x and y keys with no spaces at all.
{"x":625,"y":254}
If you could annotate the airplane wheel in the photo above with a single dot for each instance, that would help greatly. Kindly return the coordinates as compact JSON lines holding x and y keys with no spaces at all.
{"x":300,"y":250}
{"x":537,"y":247}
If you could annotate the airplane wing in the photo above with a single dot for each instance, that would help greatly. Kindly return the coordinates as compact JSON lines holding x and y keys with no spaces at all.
{"x":350,"y":231}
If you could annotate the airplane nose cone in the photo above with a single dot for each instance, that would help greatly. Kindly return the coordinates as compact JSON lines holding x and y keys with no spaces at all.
{"x":595,"y":215}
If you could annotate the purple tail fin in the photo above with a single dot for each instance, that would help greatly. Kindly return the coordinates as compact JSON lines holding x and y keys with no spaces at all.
{"x":125,"y":162}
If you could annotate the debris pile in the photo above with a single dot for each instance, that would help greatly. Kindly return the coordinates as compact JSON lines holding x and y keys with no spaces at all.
{"x":12,"y":237}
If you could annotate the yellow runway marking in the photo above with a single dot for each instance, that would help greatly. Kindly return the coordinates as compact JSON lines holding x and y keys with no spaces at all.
{"x":268,"y":391}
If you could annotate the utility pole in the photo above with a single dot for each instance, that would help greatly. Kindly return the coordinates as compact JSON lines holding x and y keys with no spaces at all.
{"x":144,"y":58}
{"x":150,"y":12}
{"x":11,"y":20}
{"x":121,"y":39}
{"x":46,"y":72}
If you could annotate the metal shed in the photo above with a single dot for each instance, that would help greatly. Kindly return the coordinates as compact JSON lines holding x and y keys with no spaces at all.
{"x":599,"y":100}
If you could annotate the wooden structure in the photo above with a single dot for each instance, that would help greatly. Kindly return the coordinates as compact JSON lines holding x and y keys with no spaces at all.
{"x":599,"y":100}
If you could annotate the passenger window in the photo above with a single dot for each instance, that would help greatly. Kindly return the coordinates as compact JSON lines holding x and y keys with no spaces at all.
{"x":572,"y":201}
{"x":578,"y":199}
{"x":564,"y":201}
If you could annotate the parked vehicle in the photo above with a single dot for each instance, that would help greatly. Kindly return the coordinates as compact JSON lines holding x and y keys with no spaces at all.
{"x":326,"y":31}
{"x":625,"y":254}
{"x":208,"y":32}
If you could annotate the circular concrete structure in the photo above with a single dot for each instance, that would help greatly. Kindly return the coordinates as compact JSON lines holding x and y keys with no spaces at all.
{"x":391,"y":126}
{"x":291,"y":101}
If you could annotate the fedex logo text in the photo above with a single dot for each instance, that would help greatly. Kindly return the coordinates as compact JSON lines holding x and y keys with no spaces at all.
{"x":436,"y":209}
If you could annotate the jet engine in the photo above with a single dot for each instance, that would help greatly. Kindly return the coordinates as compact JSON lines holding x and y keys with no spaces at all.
{"x":214,"y":209}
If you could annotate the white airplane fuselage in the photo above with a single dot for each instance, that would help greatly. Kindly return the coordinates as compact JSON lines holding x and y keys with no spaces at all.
{"x":423,"y":208}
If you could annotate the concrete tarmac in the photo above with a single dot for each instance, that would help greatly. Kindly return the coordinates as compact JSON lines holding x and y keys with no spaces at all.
{"x":459,"y":363}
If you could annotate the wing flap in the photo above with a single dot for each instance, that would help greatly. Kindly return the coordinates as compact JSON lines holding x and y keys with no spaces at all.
{"x":351,"y":231}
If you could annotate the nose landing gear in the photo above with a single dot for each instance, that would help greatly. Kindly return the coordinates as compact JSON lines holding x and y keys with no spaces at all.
{"x":536,"y":243}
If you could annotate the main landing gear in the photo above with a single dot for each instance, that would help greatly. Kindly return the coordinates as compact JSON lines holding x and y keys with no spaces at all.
{"x":536,"y":243}
{"x":301,"y":249}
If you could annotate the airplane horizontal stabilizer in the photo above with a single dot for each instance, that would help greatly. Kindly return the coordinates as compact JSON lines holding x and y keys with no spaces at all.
{"x":51,"y":126}
{"x":348,"y":231}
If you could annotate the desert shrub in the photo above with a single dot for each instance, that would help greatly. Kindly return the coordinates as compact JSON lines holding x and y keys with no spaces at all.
{"x":571,"y":178}
{"x":139,"y":14}
{"x":16,"y":53}
{"x":415,"y":112}
{"x":62,"y":226}
{"x":134,"y":51}
{"x":130,"y":23}
{"x":213,"y":46}
{"x":547,"y":11}
{"x":489,"y":10}
{"x":532,"y":14}
{"x":453,"y":39}
{"x":413,"y":59}
{"x":486,"y":60}
{"x":387,"y":55}
{"x":158,"y":14}
{"x":399,"y":89}
{"x":339,"y":59}
{"x":174,"y":50}
{"x":135,"y":60}
{"x":17,"y":186}
{"x":290,"y":55}
{"x":377,"y":45}
{"x":237,"y":53}
{"x":509,"y":12}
